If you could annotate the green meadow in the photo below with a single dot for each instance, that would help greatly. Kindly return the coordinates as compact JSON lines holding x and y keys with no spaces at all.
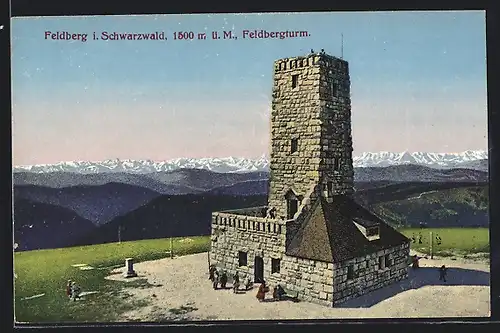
{"x":454,"y":241}
{"x":47,"y":271}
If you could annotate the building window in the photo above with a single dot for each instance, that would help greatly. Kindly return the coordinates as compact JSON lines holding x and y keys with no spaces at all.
{"x":329,"y":186}
{"x":381,"y":262}
{"x":350,"y":272}
{"x":372,"y":232}
{"x":292,"y":207}
{"x":294,"y":145}
{"x":336,"y":164}
{"x":295,"y":80}
{"x":275,"y":265}
{"x":242,"y":258}
{"x":388,"y":261}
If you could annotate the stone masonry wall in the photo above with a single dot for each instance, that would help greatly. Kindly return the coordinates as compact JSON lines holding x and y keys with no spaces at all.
{"x":313,"y":280}
{"x":336,"y":139}
{"x":319,"y":120}
{"x":367,"y":275}
{"x":256,"y":236}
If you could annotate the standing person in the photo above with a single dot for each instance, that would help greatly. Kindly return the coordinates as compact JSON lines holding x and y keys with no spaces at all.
{"x":415,"y":263}
{"x":236,"y":282}
{"x":442,"y":273}
{"x":223,"y":280}
{"x":215,"y":281}
{"x":419,"y":238}
{"x":211,"y":273}
{"x":68,"y":289}
{"x":247,"y":283}
{"x":75,"y":291}
{"x":261,"y":293}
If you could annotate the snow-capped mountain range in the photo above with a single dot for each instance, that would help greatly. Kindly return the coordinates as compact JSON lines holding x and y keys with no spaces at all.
{"x":472,"y":159}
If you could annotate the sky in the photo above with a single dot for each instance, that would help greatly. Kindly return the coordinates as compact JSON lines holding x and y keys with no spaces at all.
{"x":418,"y":83}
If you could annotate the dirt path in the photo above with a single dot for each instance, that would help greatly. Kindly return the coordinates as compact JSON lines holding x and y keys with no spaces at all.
{"x":467,"y":293}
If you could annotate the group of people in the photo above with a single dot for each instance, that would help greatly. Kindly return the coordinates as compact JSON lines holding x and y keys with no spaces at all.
{"x":419,"y":239}
{"x":72,"y":290}
{"x":443,"y":271}
{"x":221,"y":278}
{"x":278,"y":292}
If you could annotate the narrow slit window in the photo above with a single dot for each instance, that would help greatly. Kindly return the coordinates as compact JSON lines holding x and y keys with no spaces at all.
{"x":334,"y":90}
{"x":381,"y":262}
{"x":295,"y":80}
{"x":336,"y":164}
{"x":350,"y":272}
{"x":294,"y":145}
{"x":388,"y":261}
{"x":275,"y":265}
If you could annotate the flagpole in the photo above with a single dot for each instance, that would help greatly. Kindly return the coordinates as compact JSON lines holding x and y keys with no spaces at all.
{"x":341,"y":46}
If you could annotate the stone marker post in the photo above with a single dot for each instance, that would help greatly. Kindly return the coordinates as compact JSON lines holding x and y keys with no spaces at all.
{"x":431,"y":243}
{"x":129,"y":265}
{"x":171,"y":248}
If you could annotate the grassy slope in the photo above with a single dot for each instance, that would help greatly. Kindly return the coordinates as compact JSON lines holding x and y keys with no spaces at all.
{"x":453,"y":240}
{"x":46,"y":271}
{"x":459,"y":206}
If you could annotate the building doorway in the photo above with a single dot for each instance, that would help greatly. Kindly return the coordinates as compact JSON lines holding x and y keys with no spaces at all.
{"x":258,"y":269}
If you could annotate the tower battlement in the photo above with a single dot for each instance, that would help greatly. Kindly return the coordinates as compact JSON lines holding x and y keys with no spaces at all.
{"x":310,"y":60}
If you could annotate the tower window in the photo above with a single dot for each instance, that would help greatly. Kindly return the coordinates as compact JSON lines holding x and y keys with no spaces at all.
{"x":329,"y":186}
{"x":294,"y":145}
{"x":336,"y":164}
{"x":292,"y":208}
{"x":334,"y":89}
{"x":295,"y":80}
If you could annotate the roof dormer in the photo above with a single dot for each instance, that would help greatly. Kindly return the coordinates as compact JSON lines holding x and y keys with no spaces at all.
{"x":369,"y":229}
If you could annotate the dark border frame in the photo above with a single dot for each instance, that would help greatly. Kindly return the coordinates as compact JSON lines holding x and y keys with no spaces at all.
{"x":70,"y":8}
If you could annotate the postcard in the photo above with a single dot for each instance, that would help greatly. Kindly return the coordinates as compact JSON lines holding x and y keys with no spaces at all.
{"x":273,"y":166}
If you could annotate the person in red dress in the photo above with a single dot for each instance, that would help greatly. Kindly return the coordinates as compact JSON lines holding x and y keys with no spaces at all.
{"x":263,"y":289}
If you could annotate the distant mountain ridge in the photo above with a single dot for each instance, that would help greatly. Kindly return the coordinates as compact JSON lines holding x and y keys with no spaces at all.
{"x":186,"y":181}
{"x":98,"y":203}
{"x":471,"y":159}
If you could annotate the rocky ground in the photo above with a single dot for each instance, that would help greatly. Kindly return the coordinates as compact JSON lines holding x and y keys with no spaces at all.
{"x":179,"y":289}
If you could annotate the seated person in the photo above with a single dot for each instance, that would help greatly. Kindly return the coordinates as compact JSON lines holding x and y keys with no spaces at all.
{"x":280,"y":292}
{"x":248,"y":283}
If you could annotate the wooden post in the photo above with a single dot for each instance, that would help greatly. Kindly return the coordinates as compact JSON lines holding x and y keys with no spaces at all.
{"x":171,"y":248}
{"x":431,"y":243}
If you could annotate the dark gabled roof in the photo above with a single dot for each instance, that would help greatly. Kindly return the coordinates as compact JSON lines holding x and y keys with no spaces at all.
{"x":328,"y":233}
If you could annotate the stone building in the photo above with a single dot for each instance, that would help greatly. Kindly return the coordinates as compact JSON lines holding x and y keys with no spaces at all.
{"x":312,"y":238}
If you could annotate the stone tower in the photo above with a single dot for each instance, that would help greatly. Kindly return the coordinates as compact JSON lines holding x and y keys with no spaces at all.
{"x":311,"y":139}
